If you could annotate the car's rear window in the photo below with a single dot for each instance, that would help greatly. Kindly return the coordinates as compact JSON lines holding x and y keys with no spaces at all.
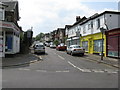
{"x":39,"y":46}
{"x":77,"y":47}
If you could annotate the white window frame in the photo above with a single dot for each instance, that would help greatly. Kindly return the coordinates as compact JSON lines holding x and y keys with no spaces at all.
{"x":2,"y":14}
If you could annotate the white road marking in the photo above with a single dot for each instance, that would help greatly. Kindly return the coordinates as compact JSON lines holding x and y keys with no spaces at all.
{"x":61,"y":57}
{"x":97,"y":70}
{"x":86,"y":70}
{"x":41,"y":70}
{"x":110,"y":71}
{"x":79,"y":69}
{"x":24,"y":69}
{"x":83,"y":70}
{"x":71,"y":64}
{"x":94,"y":70}
{"x":63,"y":71}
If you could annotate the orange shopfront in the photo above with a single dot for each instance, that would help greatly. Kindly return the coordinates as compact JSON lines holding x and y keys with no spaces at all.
{"x":113,"y":43}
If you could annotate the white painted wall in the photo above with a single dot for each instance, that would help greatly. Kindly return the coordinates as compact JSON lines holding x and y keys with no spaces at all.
{"x":16,"y":44}
{"x":72,"y":31}
{"x":112,"y":20}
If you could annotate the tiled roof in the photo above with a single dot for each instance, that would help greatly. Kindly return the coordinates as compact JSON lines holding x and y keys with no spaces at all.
{"x":11,"y":4}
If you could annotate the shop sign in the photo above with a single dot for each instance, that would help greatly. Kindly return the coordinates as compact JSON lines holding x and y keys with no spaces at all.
{"x":9,"y":25}
{"x":114,"y":32}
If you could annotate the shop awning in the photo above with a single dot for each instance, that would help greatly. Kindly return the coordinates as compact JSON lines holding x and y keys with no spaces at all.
{"x":9,"y":26}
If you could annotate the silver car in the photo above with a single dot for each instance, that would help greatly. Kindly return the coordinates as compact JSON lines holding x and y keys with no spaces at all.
{"x":52,"y":46}
{"x":75,"y":49}
{"x":39,"y":48}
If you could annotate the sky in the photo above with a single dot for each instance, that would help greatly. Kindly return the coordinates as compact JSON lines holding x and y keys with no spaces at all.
{"x":48,"y":15}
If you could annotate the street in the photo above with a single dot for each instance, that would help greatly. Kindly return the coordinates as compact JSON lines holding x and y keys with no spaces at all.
{"x":60,"y":70}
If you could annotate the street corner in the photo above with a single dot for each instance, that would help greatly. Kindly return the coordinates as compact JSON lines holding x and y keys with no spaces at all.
{"x":19,"y":60}
{"x":38,"y":57}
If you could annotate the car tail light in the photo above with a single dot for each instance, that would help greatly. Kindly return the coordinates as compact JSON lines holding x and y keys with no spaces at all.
{"x":75,"y":49}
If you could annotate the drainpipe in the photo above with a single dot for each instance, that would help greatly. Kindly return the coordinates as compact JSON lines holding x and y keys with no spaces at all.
{"x":107,"y":30}
{"x":105,"y":23}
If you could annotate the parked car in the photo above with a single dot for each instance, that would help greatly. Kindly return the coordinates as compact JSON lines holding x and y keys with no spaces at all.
{"x":39,"y":48}
{"x":61,"y":47}
{"x":75,"y":49}
{"x":52,"y":46}
{"x":47,"y":44}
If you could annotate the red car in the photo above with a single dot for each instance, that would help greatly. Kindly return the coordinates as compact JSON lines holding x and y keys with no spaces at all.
{"x":61,"y":47}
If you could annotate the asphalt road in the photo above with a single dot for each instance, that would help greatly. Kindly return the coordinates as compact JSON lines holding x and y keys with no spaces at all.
{"x":60,"y":70}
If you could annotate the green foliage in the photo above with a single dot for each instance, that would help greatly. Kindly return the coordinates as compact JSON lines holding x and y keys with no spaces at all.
{"x":21,"y":36}
{"x":56,"y":42}
{"x":39,"y":36}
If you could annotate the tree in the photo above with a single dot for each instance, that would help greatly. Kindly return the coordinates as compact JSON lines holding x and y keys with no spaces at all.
{"x":56,"y":42}
{"x":39,"y":36}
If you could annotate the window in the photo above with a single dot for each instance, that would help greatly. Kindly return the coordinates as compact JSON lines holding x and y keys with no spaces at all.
{"x":98,"y":45}
{"x":98,"y":23}
{"x":84,"y":30}
{"x":85,"y":45}
{"x":1,"y":15}
{"x":91,"y":24}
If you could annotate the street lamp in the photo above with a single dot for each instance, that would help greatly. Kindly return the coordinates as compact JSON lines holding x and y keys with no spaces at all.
{"x":103,"y":31}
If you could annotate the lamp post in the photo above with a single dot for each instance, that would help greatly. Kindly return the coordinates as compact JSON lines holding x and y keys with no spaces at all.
{"x":103,"y":31}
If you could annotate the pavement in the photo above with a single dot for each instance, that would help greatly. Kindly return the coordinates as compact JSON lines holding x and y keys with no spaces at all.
{"x":22,"y":59}
{"x":106,"y":60}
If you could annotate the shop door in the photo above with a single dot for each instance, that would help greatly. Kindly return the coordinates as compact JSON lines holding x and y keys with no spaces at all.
{"x":113,"y":45}
{"x":90,"y":46}
{"x":9,"y":41}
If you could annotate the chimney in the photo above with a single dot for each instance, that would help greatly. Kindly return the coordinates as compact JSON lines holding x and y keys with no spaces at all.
{"x":77,"y":18}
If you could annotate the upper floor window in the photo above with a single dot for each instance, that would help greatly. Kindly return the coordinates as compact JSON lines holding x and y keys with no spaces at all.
{"x":98,"y":23}
{"x":1,"y":15}
{"x":89,"y":26}
{"x":92,"y":24}
{"x":84,"y":30}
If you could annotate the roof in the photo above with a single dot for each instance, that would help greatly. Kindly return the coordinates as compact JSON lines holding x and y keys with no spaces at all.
{"x":79,"y":21}
{"x":11,"y":5}
{"x":82,"y":19}
{"x":68,"y":26}
{"x":61,"y":29}
{"x":97,"y":15}
{"x":2,"y":4}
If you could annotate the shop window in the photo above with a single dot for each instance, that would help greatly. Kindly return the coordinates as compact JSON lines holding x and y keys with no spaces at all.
{"x":85,"y":45}
{"x":98,"y":45}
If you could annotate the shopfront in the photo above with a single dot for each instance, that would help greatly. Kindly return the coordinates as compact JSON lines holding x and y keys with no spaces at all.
{"x":113,"y":43}
{"x":93,"y":43}
{"x":73,"y":41}
{"x":9,"y":38}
